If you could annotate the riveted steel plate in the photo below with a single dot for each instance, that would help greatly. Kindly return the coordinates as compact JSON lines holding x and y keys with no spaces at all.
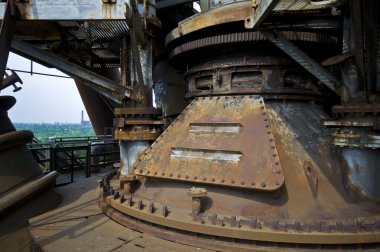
{"x":217,"y":140}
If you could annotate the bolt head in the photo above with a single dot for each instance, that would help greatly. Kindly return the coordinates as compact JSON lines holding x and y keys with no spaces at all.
{"x":196,"y":192}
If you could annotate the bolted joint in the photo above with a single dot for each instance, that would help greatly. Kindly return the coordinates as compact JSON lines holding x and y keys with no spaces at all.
{"x":196,"y":195}
{"x":126,"y":181}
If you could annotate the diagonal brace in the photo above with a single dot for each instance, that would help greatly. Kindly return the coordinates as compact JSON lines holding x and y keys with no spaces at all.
{"x":261,"y":10}
{"x":303,"y":59}
{"x":93,"y":79}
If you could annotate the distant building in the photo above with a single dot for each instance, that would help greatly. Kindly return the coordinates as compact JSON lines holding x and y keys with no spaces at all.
{"x":83,"y":122}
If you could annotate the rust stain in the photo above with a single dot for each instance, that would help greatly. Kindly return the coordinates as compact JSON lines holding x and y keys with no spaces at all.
{"x":108,"y":9}
{"x":212,"y":143}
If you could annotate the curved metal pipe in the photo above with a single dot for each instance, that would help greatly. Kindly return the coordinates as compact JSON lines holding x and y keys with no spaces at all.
{"x":17,"y":195}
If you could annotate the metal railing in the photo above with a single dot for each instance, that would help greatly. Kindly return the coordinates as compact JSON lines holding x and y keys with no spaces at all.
{"x":75,"y":157}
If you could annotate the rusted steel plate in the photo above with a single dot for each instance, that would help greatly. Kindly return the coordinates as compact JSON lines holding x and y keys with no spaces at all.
{"x":217,"y":140}
{"x":136,"y":135}
{"x":137,"y":111}
{"x":353,"y":138}
{"x":356,"y":108}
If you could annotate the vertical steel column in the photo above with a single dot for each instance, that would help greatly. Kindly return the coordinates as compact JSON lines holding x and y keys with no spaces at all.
{"x":72,"y":165}
{"x":8,"y":27}
{"x":88,"y":160}
{"x":370,"y":16}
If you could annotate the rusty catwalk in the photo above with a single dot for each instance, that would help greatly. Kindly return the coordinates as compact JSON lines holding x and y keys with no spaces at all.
{"x":242,"y":125}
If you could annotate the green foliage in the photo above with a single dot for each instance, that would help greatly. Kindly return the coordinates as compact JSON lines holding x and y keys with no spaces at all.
{"x":42,"y":131}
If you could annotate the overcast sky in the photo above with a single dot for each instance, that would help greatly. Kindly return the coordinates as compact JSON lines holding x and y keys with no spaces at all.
{"x":43,"y":98}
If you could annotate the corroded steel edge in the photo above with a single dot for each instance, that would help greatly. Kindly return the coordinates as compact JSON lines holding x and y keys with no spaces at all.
{"x":250,"y":36}
{"x":261,"y":234}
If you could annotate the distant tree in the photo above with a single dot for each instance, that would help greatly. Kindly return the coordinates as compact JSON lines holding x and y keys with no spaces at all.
{"x":42,"y":131}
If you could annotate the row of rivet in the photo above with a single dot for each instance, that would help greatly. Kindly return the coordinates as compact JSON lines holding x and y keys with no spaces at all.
{"x":269,"y":133}
{"x":354,"y":226}
{"x":201,"y":179}
{"x":204,"y":179}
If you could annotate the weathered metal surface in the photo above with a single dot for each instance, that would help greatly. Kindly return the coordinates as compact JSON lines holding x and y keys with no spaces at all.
{"x":21,"y":193}
{"x":356,"y":108}
{"x":148,"y":134}
{"x":289,"y":5}
{"x":260,"y":10}
{"x":336,"y":59}
{"x":303,"y":59}
{"x":121,"y":122}
{"x":144,"y":122}
{"x":237,"y":11}
{"x":339,"y":232}
{"x":210,"y":143}
{"x":97,"y":107}
{"x":131,"y":150}
{"x":71,"y":10}
{"x":137,"y":111}
{"x":311,"y":177}
{"x":270,"y":76}
{"x":137,"y":123}
{"x":216,"y":16}
{"x":350,"y":123}
{"x":17,"y":164}
{"x":362,"y":170}
{"x":307,"y":209}
{"x":209,"y":242}
{"x":354,"y":138}
{"x":251,"y":36}
{"x":325,"y":197}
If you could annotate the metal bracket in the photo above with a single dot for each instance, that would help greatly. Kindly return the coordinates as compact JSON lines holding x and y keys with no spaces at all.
{"x":260,"y":10}
{"x":11,"y":80}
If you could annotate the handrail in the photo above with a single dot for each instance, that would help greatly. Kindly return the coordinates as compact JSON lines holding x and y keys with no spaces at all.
{"x":66,"y":154}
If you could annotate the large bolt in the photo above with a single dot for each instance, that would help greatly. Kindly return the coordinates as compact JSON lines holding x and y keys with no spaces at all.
{"x":196,"y":195}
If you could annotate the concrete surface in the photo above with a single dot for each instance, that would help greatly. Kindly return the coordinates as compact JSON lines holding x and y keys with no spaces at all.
{"x":79,"y":225}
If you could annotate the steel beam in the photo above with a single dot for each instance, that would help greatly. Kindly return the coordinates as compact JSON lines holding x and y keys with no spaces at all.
{"x":8,"y":27}
{"x":71,"y":10}
{"x":261,"y":10}
{"x":303,"y":59}
{"x":170,"y":3}
{"x":71,"y":69}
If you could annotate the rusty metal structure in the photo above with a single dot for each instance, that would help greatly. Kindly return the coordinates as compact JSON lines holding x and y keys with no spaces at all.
{"x":245,"y":125}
